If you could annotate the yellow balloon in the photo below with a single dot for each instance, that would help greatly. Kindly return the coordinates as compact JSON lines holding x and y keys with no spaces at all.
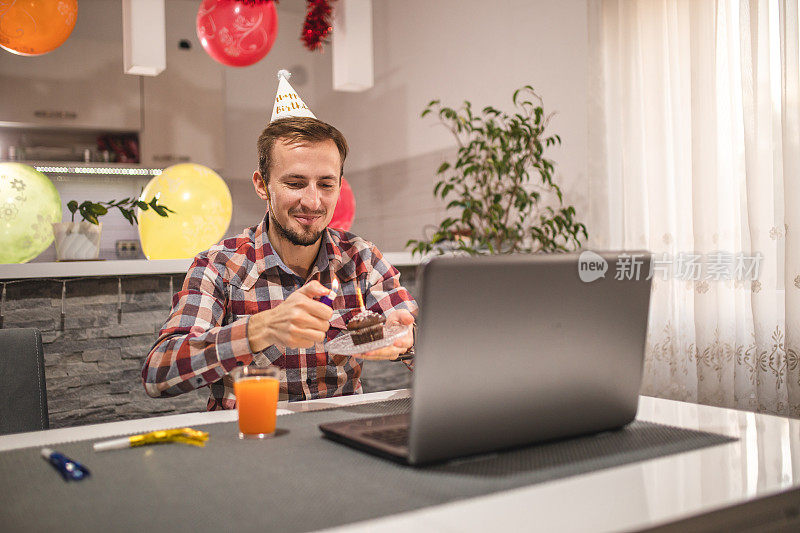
{"x":202,"y":204}
{"x":29,"y":205}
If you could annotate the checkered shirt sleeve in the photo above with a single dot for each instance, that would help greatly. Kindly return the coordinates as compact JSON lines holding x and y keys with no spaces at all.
{"x":194,"y":349}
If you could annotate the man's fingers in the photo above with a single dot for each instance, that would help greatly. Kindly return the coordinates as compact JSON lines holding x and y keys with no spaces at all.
{"x":306,"y":338}
{"x":309,"y":321}
{"x":313,"y":289}
{"x":382,"y":353}
{"x":401,"y":317}
{"x":317,"y":309}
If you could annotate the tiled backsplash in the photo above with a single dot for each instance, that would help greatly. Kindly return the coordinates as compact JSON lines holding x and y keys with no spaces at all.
{"x":98,"y":188}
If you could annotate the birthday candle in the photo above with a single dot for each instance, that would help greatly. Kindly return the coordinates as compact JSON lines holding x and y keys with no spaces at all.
{"x":360,"y":299}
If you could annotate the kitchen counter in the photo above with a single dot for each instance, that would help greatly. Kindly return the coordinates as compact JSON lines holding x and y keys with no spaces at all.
{"x":137,"y":267}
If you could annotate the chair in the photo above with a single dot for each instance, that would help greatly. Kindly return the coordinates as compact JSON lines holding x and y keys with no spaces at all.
{"x":23,"y":395}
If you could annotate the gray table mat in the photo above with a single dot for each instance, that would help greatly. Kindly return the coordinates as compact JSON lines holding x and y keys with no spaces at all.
{"x":297,"y":481}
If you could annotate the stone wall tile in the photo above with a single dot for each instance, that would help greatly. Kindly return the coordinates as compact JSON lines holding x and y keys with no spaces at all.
{"x":118,"y":365}
{"x":127,"y":330}
{"x":137,"y":353}
{"x":104,"y":401}
{"x":138,"y":341}
{"x":65,"y":382}
{"x":150,"y":316}
{"x":77,"y":299}
{"x":79,"y":369}
{"x":53,"y":372}
{"x":102,"y":354}
{"x":42,"y":324}
{"x":93,"y":379}
{"x":25,"y":303}
{"x":120,"y":387}
{"x":50,"y":337}
{"x":105,"y":318}
{"x":51,"y":360}
{"x":79,"y":417}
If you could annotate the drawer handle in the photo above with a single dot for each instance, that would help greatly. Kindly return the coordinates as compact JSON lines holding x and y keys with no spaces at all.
{"x":42,"y":113}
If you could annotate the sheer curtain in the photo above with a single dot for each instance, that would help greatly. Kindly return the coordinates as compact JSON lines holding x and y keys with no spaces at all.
{"x":695,"y":151}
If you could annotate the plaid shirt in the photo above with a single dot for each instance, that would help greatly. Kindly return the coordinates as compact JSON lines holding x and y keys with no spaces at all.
{"x":205,"y":336}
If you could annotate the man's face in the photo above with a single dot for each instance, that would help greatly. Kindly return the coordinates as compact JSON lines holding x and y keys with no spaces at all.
{"x":302,"y":189}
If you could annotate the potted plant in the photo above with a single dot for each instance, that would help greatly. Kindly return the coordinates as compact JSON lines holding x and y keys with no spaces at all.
{"x":503,"y":198}
{"x":80,"y":241}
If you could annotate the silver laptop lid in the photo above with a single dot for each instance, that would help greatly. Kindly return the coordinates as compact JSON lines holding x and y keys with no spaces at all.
{"x":519,"y":349}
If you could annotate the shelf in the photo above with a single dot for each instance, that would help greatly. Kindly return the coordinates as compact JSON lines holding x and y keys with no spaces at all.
{"x":134,"y":267}
{"x":74,"y":269}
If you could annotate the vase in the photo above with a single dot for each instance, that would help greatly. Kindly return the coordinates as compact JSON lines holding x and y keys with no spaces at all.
{"x":77,"y":241}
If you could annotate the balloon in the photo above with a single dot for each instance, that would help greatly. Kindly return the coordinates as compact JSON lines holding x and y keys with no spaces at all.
{"x":237,"y":34}
{"x":345,"y":210}
{"x":35,"y":27}
{"x":29,"y":205}
{"x":202,"y":205}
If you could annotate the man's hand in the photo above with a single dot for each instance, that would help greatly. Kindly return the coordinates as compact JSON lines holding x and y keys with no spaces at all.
{"x":400,"y":345}
{"x":298,"y":322}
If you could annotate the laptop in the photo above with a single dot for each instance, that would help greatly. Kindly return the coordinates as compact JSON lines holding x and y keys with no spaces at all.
{"x":516,"y":350}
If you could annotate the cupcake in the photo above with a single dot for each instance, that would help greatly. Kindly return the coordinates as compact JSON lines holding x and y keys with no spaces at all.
{"x":366,"y":326}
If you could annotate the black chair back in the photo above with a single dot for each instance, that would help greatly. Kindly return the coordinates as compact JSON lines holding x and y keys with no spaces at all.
{"x":23,"y":395}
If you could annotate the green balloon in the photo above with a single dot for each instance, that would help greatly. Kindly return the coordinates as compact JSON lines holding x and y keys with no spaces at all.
{"x":29,"y":205}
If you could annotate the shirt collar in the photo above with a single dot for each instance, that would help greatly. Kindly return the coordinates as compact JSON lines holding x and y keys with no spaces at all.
{"x":329,"y":256}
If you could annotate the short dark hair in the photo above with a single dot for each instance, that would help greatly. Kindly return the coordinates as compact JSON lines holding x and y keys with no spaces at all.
{"x":297,"y":130}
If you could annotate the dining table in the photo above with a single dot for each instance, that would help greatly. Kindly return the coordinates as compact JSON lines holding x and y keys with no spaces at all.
{"x":734,"y":468}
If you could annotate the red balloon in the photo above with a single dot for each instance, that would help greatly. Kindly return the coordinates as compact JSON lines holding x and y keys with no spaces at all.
{"x":345,"y":210}
{"x":235,"y":33}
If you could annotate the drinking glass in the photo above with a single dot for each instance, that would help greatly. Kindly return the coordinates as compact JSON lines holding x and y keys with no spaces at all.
{"x":256,"y":392}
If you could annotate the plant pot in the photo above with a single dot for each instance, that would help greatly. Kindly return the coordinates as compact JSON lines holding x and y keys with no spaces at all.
{"x":76,"y":241}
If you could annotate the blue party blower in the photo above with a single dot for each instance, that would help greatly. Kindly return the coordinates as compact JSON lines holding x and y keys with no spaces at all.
{"x":70,"y":470}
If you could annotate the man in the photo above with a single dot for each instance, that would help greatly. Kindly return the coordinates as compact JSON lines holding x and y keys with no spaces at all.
{"x":252,"y":299}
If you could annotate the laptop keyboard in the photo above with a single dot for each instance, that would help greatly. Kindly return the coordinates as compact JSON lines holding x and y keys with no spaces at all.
{"x":394,"y":436}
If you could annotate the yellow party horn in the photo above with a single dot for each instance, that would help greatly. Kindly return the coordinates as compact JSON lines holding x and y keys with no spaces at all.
{"x":184,"y":435}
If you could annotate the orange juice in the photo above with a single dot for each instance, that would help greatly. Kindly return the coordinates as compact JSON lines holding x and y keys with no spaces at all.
{"x":256,"y":400}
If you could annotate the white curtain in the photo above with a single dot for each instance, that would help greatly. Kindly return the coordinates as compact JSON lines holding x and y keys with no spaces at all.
{"x":695,"y":152}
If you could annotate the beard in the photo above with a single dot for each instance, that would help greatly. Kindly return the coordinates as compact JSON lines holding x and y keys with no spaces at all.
{"x":294,"y":237}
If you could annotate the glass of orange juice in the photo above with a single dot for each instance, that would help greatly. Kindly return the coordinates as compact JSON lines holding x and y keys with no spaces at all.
{"x":256,"y":392}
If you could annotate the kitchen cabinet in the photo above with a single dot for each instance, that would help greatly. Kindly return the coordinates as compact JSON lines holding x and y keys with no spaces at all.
{"x":183,"y":107}
{"x":81,"y":84}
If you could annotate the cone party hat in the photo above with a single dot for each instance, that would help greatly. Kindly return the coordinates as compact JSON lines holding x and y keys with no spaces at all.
{"x":287,"y":101}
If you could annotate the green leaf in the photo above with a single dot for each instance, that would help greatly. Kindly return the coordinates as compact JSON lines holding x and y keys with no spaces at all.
{"x":444,"y":166}
{"x":97,"y":209}
{"x":72,"y":205}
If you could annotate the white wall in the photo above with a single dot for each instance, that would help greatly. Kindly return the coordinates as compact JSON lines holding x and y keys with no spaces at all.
{"x":457,"y":50}
{"x":447,"y":49}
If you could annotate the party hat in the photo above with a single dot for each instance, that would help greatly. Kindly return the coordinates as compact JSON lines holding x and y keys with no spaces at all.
{"x":287,"y":102}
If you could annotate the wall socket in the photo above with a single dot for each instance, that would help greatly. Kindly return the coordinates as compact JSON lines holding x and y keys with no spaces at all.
{"x":129,"y":250}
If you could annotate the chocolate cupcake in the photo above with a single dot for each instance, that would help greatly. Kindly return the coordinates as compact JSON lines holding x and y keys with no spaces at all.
{"x":366,"y":326}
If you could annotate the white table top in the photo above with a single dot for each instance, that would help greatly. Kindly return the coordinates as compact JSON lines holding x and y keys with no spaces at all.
{"x":764,"y":461}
